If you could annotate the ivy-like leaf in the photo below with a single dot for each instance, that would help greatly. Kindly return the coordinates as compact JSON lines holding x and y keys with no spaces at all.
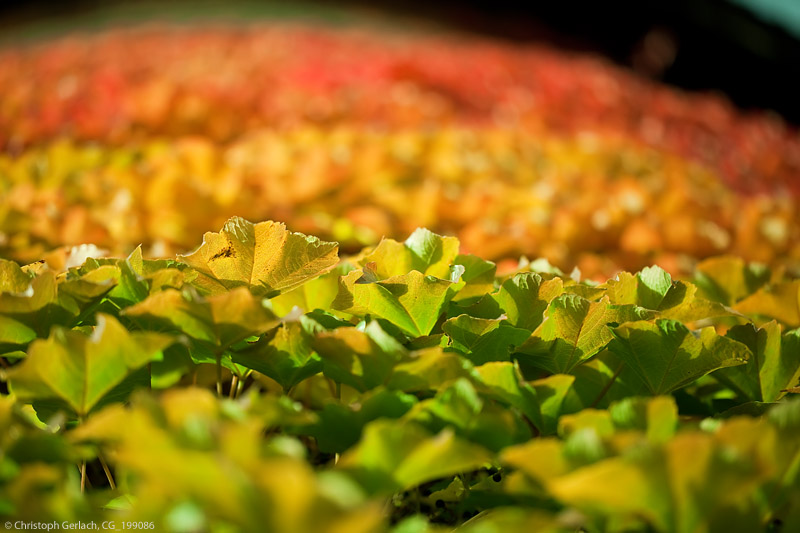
{"x":459,"y":405}
{"x":574,"y":331}
{"x":540,"y":401}
{"x":525,"y":297}
{"x":317,"y":293}
{"x":483,"y":340}
{"x":412,"y":302}
{"x":773,"y":367}
{"x":653,"y":289}
{"x":14,"y":333}
{"x":12,"y":278}
{"x":478,"y":277}
{"x":80,"y":369}
{"x":392,"y":456}
{"x":221,"y":320}
{"x":428,"y":369}
{"x":423,"y":251}
{"x":667,"y":356}
{"x":647,"y":288}
{"x":360,"y":359}
{"x":265,"y":257}
{"x":286,"y":356}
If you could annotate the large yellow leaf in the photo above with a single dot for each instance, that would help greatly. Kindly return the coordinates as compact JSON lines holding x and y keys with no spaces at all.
{"x":265,"y":257}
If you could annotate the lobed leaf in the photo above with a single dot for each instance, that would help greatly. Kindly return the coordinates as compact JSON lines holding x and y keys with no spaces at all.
{"x":266,"y":258}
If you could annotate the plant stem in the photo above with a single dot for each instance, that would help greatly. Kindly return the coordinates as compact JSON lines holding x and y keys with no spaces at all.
{"x":608,"y":385}
{"x":107,"y":471}
{"x":83,"y":477}
{"x":240,"y":385}
{"x":219,"y":375}
{"x":234,"y":384}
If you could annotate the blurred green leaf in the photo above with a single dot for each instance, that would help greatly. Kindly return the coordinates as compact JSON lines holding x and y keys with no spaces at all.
{"x":81,"y":369}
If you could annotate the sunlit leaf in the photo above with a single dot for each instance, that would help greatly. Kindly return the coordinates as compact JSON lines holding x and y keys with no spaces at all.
{"x":423,"y":251}
{"x":780,"y":301}
{"x":265,"y":257}
{"x":222,"y":319}
{"x":478,"y":276}
{"x":428,"y":369}
{"x":412,"y":302}
{"x":317,"y":293}
{"x":574,"y":330}
{"x":525,"y":297}
{"x":13,"y":332}
{"x":12,"y":278}
{"x":728,"y":279}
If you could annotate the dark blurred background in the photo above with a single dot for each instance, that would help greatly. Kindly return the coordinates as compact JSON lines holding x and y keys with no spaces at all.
{"x":747,"y":49}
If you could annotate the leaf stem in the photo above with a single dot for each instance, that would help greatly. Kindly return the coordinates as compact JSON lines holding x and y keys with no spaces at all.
{"x":219,"y":375}
{"x":107,"y":471}
{"x":83,"y":477}
{"x":608,"y":385}
{"x":234,"y":385}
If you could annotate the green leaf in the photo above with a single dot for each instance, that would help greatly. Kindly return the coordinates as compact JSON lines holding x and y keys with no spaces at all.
{"x":428,"y":369}
{"x":423,"y":251}
{"x":667,"y":356}
{"x":41,"y":305}
{"x":600,"y":381}
{"x":12,"y":278}
{"x":657,"y":417}
{"x":392,"y":456}
{"x":286,"y":356}
{"x":459,"y":405}
{"x":483,"y":340}
{"x":222,"y":319}
{"x":574,"y":331}
{"x":412,"y":302}
{"x":315,"y":294}
{"x":81,"y":369}
{"x":360,"y":359}
{"x":525,"y":297}
{"x":15,"y":333}
{"x":540,"y":401}
{"x":653,"y":289}
{"x":340,"y":426}
{"x":478,"y":277}
{"x":38,"y":292}
{"x":646,"y":289}
{"x":773,"y":367}
{"x":264,"y":257}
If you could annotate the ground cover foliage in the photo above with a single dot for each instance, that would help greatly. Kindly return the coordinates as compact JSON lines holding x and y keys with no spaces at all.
{"x":263,"y":383}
